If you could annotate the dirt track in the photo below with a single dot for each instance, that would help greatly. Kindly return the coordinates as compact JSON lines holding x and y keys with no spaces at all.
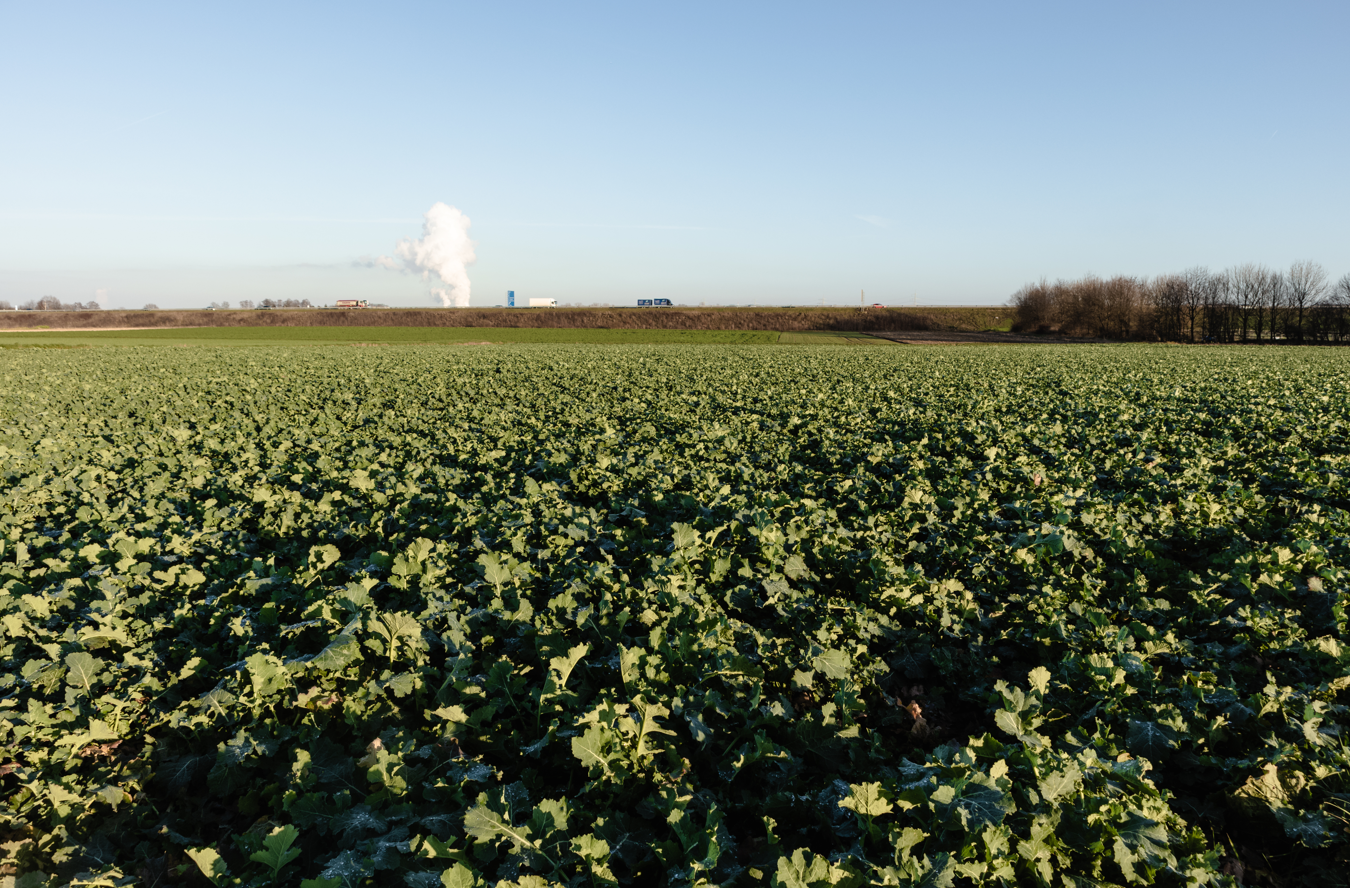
{"x":960,"y":337}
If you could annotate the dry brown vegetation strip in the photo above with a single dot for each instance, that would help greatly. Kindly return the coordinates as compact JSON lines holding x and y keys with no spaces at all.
{"x":781,"y":319}
{"x":47,"y":328}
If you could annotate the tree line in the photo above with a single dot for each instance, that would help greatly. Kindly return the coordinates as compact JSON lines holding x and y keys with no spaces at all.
{"x":49,"y":303}
{"x":1246,"y":303}
{"x":267,"y":303}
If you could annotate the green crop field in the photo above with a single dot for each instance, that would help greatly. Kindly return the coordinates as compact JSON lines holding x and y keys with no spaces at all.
{"x":674,"y":615}
{"x":254,"y":336}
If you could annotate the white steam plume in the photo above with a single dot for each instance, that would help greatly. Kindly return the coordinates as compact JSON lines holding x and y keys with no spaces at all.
{"x":378,"y":262}
{"x":443,"y":250}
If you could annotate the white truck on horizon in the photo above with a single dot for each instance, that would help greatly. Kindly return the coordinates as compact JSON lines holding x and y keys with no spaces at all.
{"x":543,"y":303}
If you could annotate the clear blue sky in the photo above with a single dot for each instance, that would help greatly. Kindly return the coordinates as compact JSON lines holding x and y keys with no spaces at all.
{"x":722,"y":152}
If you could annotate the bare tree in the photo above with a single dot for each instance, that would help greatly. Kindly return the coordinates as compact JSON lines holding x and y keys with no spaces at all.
{"x":1122,"y":299}
{"x":1275,"y":297}
{"x":1260,"y":297}
{"x":1245,"y":303}
{"x":1165,"y":295}
{"x":1256,"y":309}
{"x":1336,"y":306}
{"x":1197,"y":283}
{"x":1246,"y":287}
{"x":1033,"y":307}
{"x":1219,"y":309}
{"x":1086,"y":306}
{"x":51,"y":303}
{"x":1306,"y":283}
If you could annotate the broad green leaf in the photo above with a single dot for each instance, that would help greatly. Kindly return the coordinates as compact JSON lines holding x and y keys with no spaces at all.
{"x":83,"y":670}
{"x":1060,"y":783}
{"x":595,"y":748}
{"x":907,"y":838}
{"x":563,"y":666}
{"x":340,"y":653}
{"x":1008,"y":722}
{"x":1309,"y":829}
{"x":867,"y":800}
{"x":434,"y":848}
{"x":549,"y":819}
{"x":208,"y":860}
{"x":459,"y":876}
{"x":797,"y":872}
{"x":795,"y":568}
{"x":818,"y":872}
{"x":494,"y":571}
{"x":398,"y":629}
{"x":1150,"y":739}
{"x":835,"y":664}
{"x":277,"y":850}
{"x":629,"y":660}
{"x":267,"y":674}
{"x":1148,"y":840}
{"x":650,"y":713}
{"x":591,"y":847}
{"x":684,"y":536}
{"x":978,"y":804}
{"x":105,"y":636}
{"x":488,"y":822}
{"x":324,"y":557}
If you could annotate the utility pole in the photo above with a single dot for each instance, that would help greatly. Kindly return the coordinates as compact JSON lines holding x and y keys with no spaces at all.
{"x":862,"y":299}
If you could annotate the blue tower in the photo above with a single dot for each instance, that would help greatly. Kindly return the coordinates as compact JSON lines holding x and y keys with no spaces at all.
{"x":510,"y":298}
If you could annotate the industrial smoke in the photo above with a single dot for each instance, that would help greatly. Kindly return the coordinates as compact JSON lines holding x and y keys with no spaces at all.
{"x":444,"y":249}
